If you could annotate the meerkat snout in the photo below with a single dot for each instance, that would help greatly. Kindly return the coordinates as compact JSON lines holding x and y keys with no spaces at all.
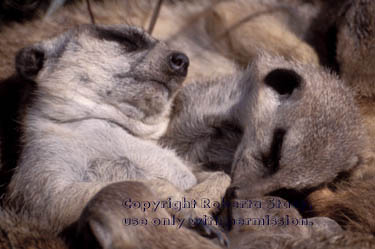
{"x":302,"y":129}
{"x":178,"y":63}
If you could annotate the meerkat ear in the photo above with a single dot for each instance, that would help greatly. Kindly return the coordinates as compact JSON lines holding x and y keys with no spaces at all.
{"x":29,"y":61}
{"x":283,"y":81}
{"x":96,"y":233}
{"x":102,"y":234}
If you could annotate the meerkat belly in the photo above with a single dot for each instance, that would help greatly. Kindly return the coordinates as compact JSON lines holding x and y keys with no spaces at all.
{"x":111,"y":145}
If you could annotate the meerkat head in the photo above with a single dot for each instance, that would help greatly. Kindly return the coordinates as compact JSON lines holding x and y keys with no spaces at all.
{"x":302,"y":129}
{"x":95,"y":66}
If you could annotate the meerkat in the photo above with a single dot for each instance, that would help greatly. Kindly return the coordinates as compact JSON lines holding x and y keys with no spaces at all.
{"x":101,"y":225}
{"x":337,"y":176}
{"x":236,"y":133}
{"x":15,"y":94}
{"x":354,"y":44}
{"x":177,"y":32}
{"x":303,"y":129}
{"x":179,"y":24}
{"x":343,"y":35}
{"x":96,"y":222}
{"x":355,"y":56}
{"x":270,"y":83}
{"x":204,"y":128}
{"x":242,"y":28}
{"x":280,"y":128}
{"x":322,"y":113}
{"x":212,"y":33}
{"x":110,"y":232}
{"x":103,"y":97}
{"x":253,"y":89}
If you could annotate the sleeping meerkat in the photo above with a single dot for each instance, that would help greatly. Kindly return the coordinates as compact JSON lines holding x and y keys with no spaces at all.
{"x":102,"y":99}
{"x":253,"y":85}
{"x":247,"y":110}
{"x":280,"y":128}
{"x":305,"y":137}
{"x":303,"y":129}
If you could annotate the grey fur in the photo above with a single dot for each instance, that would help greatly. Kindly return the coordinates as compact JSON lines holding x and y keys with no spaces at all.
{"x":205,"y":127}
{"x":303,"y":130}
{"x":251,"y":103}
{"x":81,"y":135}
{"x":309,"y":113}
{"x":318,"y":124}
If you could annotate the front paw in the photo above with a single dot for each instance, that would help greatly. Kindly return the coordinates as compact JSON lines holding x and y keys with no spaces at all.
{"x":211,"y":231}
{"x":185,"y":180}
{"x":204,"y":224}
{"x":180,"y":176}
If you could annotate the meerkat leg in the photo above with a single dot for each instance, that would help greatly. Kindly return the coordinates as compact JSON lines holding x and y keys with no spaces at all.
{"x":103,"y":222}
{"x":210,"y":189}
{"x":198,"y":209}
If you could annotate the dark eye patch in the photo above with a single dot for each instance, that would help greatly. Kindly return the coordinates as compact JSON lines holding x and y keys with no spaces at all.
{"x":131,"y":39}
{"x":283,"y":81}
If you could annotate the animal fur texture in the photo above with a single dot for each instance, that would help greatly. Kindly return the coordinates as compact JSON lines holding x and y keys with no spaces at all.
{"x":243,"y":28}
{"x":299,"y":119}
{"x":273,"y":223}
{"x":103,"y":98}
{"x":342,"y":34}
{"x":343,"y":193}
{"x":22,"y":231}
{"x":289,"y":123}
{"x":207,"y":33}
{"x":186,"y":33}
{"x":101,"y":225}
{"x":281,"y":107}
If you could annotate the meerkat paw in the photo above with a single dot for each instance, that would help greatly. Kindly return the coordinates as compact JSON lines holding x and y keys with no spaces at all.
{"x":208,"y":195}
{"x":205,"y":225}
{"x":213,"y":232}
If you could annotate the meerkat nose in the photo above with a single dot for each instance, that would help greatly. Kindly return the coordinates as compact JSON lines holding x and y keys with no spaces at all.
{"x":178,"y":63}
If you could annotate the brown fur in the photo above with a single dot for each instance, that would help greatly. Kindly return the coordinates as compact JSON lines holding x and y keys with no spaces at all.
{"x":355,"y":47}
{"x":241,"y":28}
{"x":345,"y":240}
{"x":179,"y":32}
{"x":349,"y":203}
{"x":101,"y":224}
{"x":356,"y":57}
{"x":21,"y":232}
{"x":205,"y":31}
{"x":343,"y":34}
{"x":344,"y":196}
{"x":103,"y":218}
{"x":60,"y":216}
{"x":329,"y":122}
{"x":256,"y":234}
{"x":349,"y":35}
{"x":302,"y":130}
